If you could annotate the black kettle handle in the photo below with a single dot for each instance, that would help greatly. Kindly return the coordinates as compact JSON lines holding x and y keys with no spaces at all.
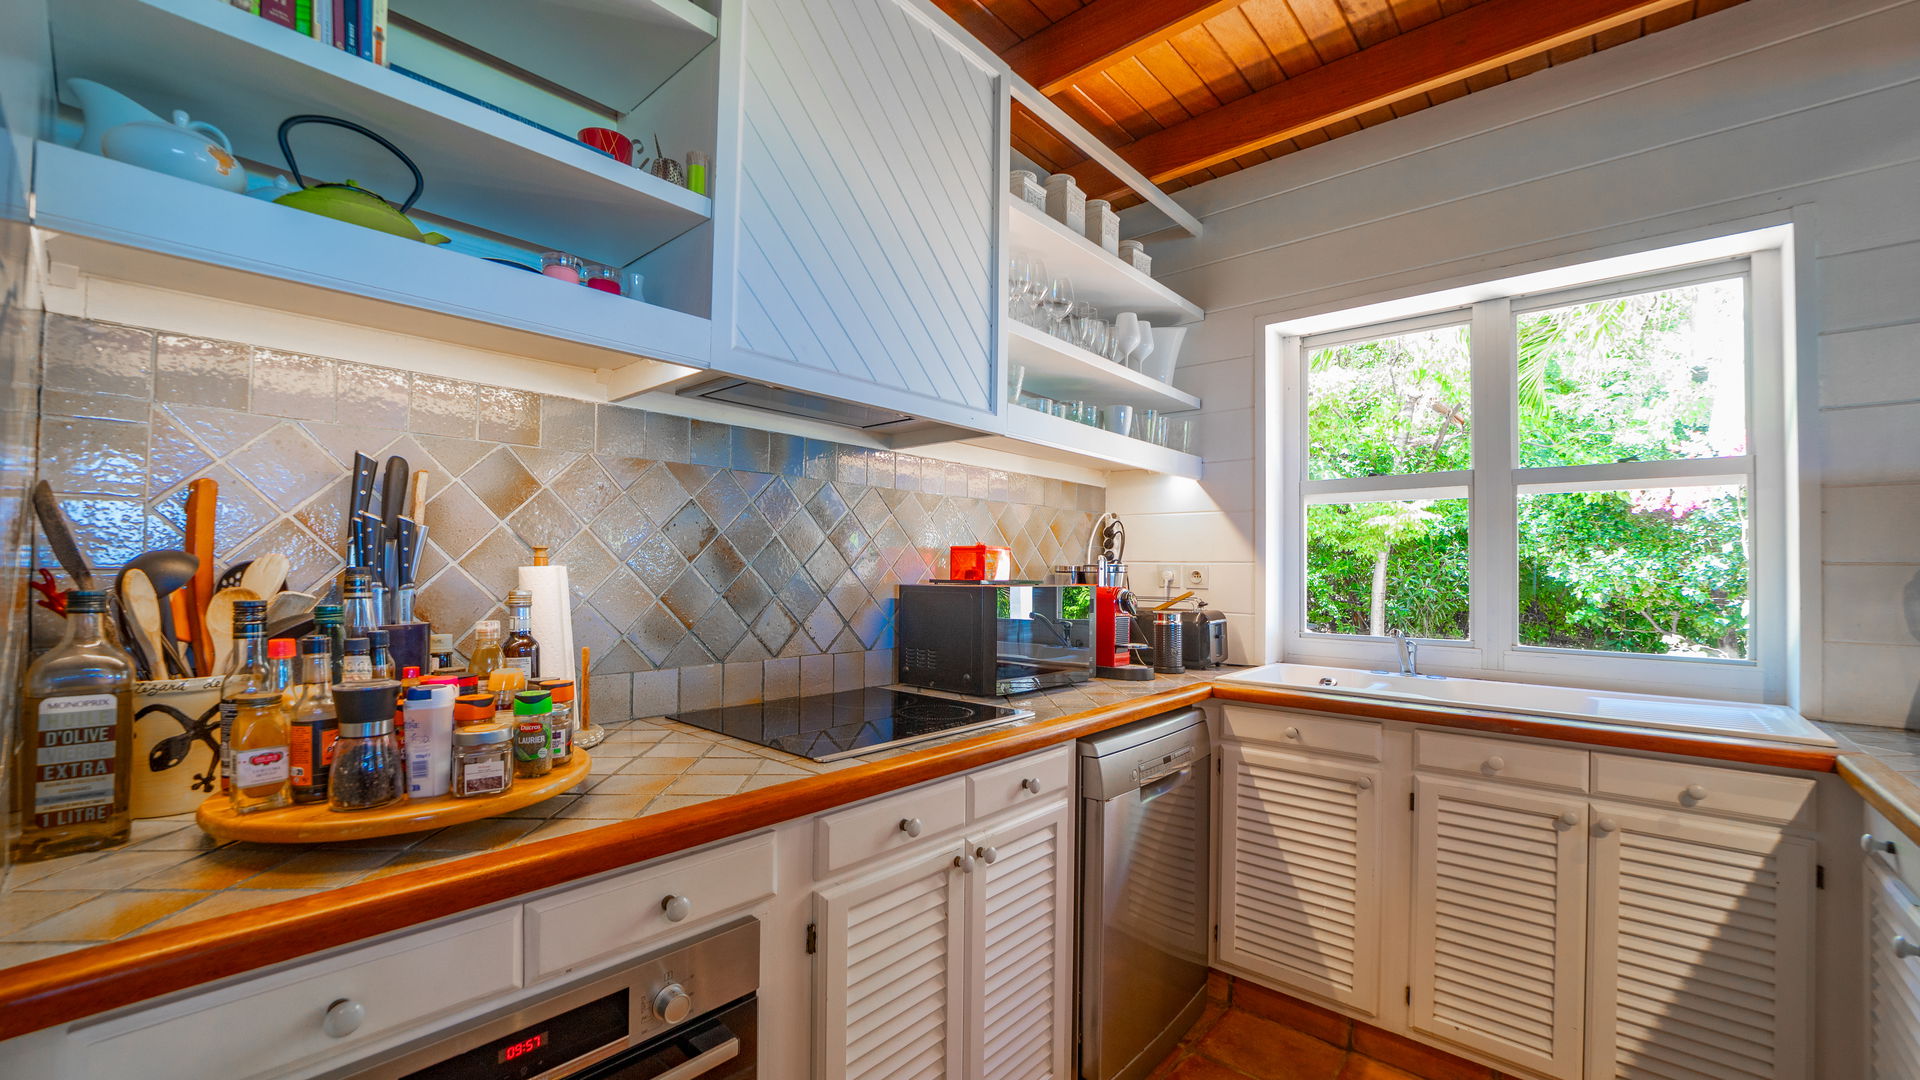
{"x":286,"y":150}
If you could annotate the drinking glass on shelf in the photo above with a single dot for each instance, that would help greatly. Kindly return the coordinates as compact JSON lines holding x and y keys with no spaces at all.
{"x":1056,"y":302}
{"x":1180,"y":434}
{"x":1126,"y":336}
{"x":1119,"y":419}
{"x":1098,"y":336}
{"x":1145,"y":423}
{"x":1137,"y":359}
{"x":1036,"y":403}
{"x":1016,"y":380}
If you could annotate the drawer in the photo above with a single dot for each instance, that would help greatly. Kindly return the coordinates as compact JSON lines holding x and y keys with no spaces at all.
{"x":1706,"y":788}
{"x":271,"y":1025}
{"x":1019,"y":781}
{"x":1501,"y":759}
{"x":1299,"y":731}
{"x":585,"y":923}
{"x":889,"y":823}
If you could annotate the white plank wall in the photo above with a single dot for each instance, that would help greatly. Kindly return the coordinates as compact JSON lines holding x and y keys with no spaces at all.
{"x":868,"y":208}
{"x":1774,"y":107}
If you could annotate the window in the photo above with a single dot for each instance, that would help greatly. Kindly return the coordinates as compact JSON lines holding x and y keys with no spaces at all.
{"x":1577,"y":481}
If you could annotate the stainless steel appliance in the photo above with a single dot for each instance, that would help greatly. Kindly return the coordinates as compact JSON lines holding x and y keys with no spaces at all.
{"x":826,"y":727}
{"x":1204,"y":630}
{"x":1145,"y":895}
{"x":992,"y":639}
{"x":687,"y":1013}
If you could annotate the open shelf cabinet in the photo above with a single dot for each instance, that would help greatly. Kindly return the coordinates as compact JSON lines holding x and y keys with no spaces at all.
{"x":1098,"y":277}
{"x":1039,"y":434}
{"x":1066,"y":372}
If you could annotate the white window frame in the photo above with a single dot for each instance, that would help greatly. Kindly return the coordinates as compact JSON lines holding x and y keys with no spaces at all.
{"x":1494,"y":481}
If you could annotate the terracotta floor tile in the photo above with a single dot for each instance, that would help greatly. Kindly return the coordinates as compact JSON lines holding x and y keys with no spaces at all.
{"x":1219,"y":986}
{"x":1365,"y":1068}
{"x":105,"y":918}
{"x":1417,"y":1058}
{"x":1268,"y":1050}
{"x":1199,"y":1068}
{"x":1210,"y":1015}
{"x":1323,"y":1024}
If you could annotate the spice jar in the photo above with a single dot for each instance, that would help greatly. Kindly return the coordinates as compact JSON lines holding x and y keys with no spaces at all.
{"x":482,"y":760}
{"x":564,"y":726}
{"x":602,"y":277}
{"x":532,"y":734}
{"x":368,"y":771}
{"x":440,"y":649}
{"x":262,"y":772}
{"x":471,"y":709}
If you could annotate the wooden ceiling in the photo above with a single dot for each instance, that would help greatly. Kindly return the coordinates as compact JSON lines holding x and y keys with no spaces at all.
{"x":1190,"y":90}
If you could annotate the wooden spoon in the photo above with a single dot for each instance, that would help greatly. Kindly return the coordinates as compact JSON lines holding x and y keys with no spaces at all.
{"x":220,"y":624}
{"x":143,"y":609}
{"x":266,"y":575}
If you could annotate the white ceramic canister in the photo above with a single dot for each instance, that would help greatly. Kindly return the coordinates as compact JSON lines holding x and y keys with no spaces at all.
{"x":1026,"y":187}
{"x":1102,"y":225}
{"x":1066,"y":203}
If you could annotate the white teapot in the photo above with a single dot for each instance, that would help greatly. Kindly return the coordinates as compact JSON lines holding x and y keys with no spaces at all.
{"x":186,"y":148}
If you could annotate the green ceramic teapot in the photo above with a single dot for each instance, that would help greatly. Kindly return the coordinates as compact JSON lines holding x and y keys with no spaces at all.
{"x":348,"y":201}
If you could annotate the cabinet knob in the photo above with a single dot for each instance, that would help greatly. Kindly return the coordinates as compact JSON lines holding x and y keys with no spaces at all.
{"x":672,"y":1004}
{"x":1496,"y":763}
{"x":1606,"y":825}
{"x":1870,"y":843}
{"x":988,"y":854}
{"x":1569,"y":819}
{"x":1695,"y":793}
{"x":1363,"y":783}
{"x":343,"y":1018}
{"x":1904,"y":949}
{"x":964,"y":862}
{"x":1030,"y":785}
{"x":911,"y":826}
{"x":676,"y":907}
{"x":1292,"y":733}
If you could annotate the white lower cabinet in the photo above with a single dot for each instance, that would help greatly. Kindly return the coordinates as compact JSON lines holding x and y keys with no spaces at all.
{"x":1893,"y":974}
{"x":1301,"y":851}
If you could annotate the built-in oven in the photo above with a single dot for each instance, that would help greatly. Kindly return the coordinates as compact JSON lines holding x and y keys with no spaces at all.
{"x":685,"y":1013}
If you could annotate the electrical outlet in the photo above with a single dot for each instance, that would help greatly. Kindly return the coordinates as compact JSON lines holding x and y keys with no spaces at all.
{"x":1165,"y":575}
{"x":1193,"y":577}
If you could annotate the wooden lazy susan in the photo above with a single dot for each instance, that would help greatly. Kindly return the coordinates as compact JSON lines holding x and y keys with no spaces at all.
{"x":315,"y":823}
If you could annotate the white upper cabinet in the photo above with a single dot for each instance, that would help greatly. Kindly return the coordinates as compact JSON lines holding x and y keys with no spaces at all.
{"x":857,"y":230}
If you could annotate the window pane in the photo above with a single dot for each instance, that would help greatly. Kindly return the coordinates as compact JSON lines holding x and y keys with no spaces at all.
{"x":1654,"y":377}
{"x":1389,"y":407}
{"x":1379,"y":566}
{"x":1651,"y":570}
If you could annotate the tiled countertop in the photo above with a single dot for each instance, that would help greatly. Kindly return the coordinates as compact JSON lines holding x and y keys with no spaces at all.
{"x":1883,"y":765}
{"x":172,"y":874}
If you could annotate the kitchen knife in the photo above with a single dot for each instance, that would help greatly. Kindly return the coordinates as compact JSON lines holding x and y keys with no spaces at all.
{"x":358,"y":501}
{"x":403,"y":553}
{"x":203,"y":514}
{"x":393,"y":503}
{"x":59,"y":533}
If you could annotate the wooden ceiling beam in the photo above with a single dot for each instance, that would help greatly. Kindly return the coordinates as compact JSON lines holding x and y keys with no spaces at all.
{"x":1485,"y":36}
{"x":1102,"y":34}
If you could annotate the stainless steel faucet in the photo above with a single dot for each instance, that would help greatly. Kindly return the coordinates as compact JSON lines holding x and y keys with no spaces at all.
{"x":1409,"y":652}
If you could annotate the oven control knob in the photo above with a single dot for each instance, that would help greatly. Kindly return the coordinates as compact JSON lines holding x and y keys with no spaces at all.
{"x":672,"y":1004}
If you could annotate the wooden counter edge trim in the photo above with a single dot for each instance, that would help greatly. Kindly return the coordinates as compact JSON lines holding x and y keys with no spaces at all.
{"x":1745,"y":751}
{"x":117,"y":974}
{"x":1893,"y":794}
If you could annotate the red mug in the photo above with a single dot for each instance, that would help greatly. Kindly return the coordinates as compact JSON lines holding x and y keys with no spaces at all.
{"x":609,"y":142}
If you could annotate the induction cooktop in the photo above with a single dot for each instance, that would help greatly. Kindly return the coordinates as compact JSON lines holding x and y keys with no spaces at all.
{"x":826,"y":727}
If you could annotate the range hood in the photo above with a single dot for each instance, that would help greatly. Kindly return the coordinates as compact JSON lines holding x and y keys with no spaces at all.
{"x":826,"y":410}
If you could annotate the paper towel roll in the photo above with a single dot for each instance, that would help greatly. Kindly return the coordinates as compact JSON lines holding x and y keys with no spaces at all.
{"x":552,"y":618}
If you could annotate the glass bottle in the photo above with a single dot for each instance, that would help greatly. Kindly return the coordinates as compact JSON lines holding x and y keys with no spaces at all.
{"x":486,"y":650}
{"x":362,"y":608}
{"x":378,"y":654}
{"x":482,"y":760}
{"x":564,"y":726}
{"x":441,"y":648}
{"x":247,"y":673}
{"x":280,"y":663}
{"x":368,"y":771}
{"x":532,"y":734}
{"x":315,"y":722}
{"x":72,"y":775}
{"x":262,"y":760}
{"x":358,"y":666}
{"x":327,"y":623}
{"x":519,"y":651}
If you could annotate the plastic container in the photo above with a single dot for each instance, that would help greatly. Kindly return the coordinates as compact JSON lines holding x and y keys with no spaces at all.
{"x":980,"y":562}
{"x":1066,"y":203}
{"x":429,"y":725}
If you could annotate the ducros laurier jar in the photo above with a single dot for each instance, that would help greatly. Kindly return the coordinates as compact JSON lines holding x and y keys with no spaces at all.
{"x":482,"y":760}
{"x":532,"y":734}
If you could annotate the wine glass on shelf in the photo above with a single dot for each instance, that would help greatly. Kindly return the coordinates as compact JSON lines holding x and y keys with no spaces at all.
{"x":1126,"y":336}
{"x":1137,"y":359}
{"x":1056,"y":302}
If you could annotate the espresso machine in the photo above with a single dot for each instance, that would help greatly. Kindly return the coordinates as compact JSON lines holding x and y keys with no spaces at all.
{"x":1116,"y":633}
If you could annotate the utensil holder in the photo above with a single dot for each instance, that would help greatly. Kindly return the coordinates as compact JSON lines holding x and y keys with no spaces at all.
{"x":176,"y":744}
{"x":1169,"y":645}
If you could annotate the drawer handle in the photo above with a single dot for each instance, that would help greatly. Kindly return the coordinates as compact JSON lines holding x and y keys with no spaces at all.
{"x":988,"y":854}
{"x":1496,"y":763}
{"x":343,"y":1018}
{"x":1030,"y":785}
{"x":1870,"y":843}
{"x":964,"y":862}
{"x":1904,"y":949}
{"x":1606,"y":825}
{"x":911,"y":826}
{"x":1695,"y":793}
{"x":1363,"y":783}
{"x":1569,"y":819}
{"x":677,"y":907}
{"x":704,"y":1063}
{"x":1292,"y":733}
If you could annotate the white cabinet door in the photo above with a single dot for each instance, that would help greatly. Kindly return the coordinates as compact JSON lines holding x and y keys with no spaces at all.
{"x":890,"y":964}
{"x":857,"y":235}
{"x":1022,"y":956}
{"x":1894,"y":992}
{"x":1300,"y":852}
{"x":1499,"y":921}
{"x":1699,"y":964}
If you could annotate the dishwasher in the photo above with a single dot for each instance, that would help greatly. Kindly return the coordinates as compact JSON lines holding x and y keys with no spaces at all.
{"x":1145,"y":893}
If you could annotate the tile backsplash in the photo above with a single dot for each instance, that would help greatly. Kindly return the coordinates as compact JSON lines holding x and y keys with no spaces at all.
{"x":709,"y":562}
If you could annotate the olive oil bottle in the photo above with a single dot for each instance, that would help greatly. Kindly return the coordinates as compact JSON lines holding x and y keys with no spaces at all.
{"x":72,"y":765}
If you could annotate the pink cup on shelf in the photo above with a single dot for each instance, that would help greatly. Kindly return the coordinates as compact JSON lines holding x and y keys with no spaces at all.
{"x":609,"y":142}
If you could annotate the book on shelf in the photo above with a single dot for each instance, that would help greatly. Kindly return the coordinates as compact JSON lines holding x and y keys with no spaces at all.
{"x":358,"y":27}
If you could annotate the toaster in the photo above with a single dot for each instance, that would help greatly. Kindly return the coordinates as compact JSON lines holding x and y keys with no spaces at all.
{"x":1203,"y":633}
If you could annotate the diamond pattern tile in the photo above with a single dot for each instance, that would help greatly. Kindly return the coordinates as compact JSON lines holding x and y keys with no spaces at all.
{"x":621,"y":598}
{"x":544,"y":521}
{"x":658,"y":492}
{"x":689,"y":596}
{"x":826,"y":506}
{"x":586,"y":488}
{"x":622,"y":526}
{"x":722,"y":499}
{"x":501,"y":482}
{"x":689,"y":529}
{"x":657,"y":561}
{"x":719,"y":563}
{"x":748,"y":595}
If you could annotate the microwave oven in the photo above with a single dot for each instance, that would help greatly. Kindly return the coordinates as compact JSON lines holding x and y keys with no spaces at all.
{"x":993,"y":640}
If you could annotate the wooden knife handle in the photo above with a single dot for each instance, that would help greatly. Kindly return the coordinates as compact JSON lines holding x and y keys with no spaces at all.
{"x":203,"y":508}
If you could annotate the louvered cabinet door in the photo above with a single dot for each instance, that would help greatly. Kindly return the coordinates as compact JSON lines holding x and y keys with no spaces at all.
{"x":1301,"y":859}
{"x":1893,"y":992}
{"x":1499,"y":921}
{"x":1023,"y":961}
{"x":890,"y":965}
{"x":1700,"y":963}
